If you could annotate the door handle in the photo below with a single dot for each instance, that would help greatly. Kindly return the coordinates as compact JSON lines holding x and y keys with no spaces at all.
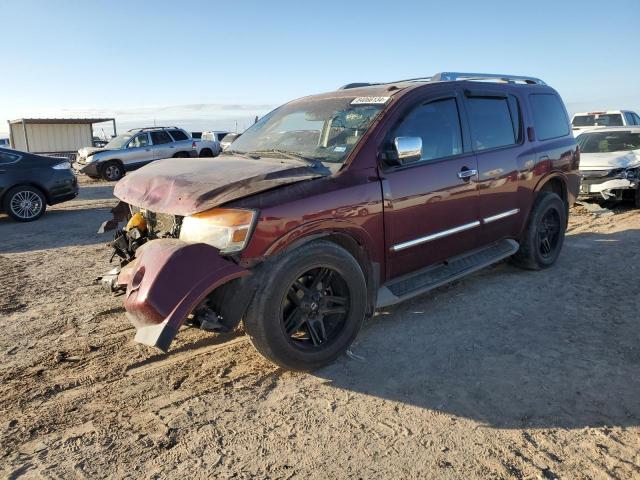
{"x":467,"y":173}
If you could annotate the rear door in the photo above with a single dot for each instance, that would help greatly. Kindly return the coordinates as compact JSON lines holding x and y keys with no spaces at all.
{"x":495,"y":122}
{"x":162,"y":145}
{"x":431,"y":206}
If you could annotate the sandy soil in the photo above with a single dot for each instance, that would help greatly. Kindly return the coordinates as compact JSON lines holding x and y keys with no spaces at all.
{"x":506,"y":374}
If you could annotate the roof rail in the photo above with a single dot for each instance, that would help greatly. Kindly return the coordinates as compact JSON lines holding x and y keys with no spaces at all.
{"x":454,"y":76}
{"x":147,"y":128}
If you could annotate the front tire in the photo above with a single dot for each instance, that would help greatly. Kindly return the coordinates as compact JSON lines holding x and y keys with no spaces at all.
{"x":308,"y":308}
{"x":25,"y":203}
{"x":112,"y":171}
{"x":544,"y":235}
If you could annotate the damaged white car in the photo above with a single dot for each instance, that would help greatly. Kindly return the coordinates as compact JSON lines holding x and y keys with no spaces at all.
{"x":610,"y":163}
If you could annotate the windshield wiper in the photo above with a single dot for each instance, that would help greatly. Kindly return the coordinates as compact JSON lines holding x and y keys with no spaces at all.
{"x":313,"y":162}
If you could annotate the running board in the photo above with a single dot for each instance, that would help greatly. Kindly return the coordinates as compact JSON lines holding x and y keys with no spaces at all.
{"x":429,"y":278}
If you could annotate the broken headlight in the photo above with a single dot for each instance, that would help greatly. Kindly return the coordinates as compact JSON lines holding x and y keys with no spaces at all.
{"x":227,"y":229}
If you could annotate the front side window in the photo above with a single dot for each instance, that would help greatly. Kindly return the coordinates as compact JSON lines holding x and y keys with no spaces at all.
{"x":438,"y":124}
{"x":495,"y":122}
{"x":138,"y":141}
{"x":6,"y":157}
{"x":549,"y":116}
{"x":636,"y":118}
{"x":160,"y":137}
{"x":606,"y":142}
{"x":324,"y":129}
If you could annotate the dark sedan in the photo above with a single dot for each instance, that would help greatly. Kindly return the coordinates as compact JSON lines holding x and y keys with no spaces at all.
{"x":28,"y":183}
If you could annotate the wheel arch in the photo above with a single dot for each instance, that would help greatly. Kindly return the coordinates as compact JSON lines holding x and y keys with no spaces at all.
{"x":33,"y":184}
{"x":555,"y":182}
{"x":345,"y":234}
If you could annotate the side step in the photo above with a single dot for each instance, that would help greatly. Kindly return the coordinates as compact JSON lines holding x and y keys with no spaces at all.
{"x":432,"y":277}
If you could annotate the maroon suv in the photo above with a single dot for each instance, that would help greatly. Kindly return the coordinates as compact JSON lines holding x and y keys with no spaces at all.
{"x":336,"y":204}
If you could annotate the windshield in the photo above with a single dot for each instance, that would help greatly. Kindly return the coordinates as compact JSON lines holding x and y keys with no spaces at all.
{"x":120,"y":141}
{"x":603,"y":119}
{"x":605,"y":142}
{"x":324,"y":129}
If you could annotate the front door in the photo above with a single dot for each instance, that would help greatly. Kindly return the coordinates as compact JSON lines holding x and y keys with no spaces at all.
{"x":431,"y":206}
{"x":138,"y":152}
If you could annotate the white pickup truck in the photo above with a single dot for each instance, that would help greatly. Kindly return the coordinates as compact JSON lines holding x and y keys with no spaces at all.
{"x":581,"y":122}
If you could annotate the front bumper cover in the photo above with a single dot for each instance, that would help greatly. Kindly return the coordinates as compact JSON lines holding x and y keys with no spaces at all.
{"x":166,"y":281}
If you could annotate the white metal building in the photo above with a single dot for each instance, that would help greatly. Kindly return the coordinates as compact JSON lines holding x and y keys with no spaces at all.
{"x":53,"y":135}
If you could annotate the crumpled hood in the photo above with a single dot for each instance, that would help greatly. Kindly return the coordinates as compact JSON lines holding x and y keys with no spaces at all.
{"x":609,"y":161}
{"x":182,"y":186}
{"x":86,"y":151}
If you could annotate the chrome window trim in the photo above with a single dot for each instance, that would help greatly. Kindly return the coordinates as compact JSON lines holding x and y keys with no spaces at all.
{"x":500,"y":216}
{"x":435,"y":236}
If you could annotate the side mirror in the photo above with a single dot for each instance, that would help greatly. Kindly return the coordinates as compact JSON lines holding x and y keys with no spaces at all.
{"x":408,"y":149}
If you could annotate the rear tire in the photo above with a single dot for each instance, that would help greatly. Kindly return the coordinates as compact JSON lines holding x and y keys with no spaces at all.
{"x":544,"y":235}
{"x":308,"y":308}
{"x":112,"y":171}
{"x":24,"y":203}
{"x":206,"y":152}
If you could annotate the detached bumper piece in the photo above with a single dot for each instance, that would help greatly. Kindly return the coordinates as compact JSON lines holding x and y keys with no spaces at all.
{"x":166,"y":282}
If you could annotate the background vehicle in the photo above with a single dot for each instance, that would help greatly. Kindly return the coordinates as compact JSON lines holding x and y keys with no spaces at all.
{"x":4,"y":142}
{"x":215,"y":135}
{"x":582,"y":122}
{"x":228,"y":139}
{"x":336,"y":204}
{"x":134,"y":149}
{"x":610,"y":163}
{"x":29,"y":182}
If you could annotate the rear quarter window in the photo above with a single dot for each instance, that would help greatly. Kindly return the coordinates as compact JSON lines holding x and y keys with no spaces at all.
{"x":549,"y":116}
{"x":178,"y":135}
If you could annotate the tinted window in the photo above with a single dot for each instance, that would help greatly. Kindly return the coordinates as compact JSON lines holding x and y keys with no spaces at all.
{"x":178,"y":135}
{"x":139,"y":141}
{"x":493,"y":124}
{"x":160,"y":137}
{"x":605,"y":142}
{"x":438,"y":124}
{"x":6,"y":157}
{"x":549,"y":116}
{"x":637,"y":119}
{"x":609,"y":120}
{"x":196,"y":135}
{"x":629,"y":118}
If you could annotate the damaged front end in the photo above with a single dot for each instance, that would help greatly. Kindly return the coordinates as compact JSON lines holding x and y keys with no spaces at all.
{"x":140,"y":227}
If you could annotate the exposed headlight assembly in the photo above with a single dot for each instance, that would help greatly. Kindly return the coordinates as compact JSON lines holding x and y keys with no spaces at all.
{"x":227,"y":229}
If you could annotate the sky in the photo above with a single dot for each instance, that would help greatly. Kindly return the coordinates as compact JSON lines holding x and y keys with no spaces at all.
{"x":214,"y":65}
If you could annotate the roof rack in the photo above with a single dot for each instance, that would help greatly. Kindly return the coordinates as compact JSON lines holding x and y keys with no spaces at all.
{"x":455,"y":76}
{"x":147,"y":128}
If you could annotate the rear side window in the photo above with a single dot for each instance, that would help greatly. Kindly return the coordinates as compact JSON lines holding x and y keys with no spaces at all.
{"x":549,"y":116}
{"x":636,"y":118}
{"x":178,"y":135}
{"x":495,"y":122}
{"x":438,"y":124}
{"x":160,"y":137}
{"x":6,"y":157}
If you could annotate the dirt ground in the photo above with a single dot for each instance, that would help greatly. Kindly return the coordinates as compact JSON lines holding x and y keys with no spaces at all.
{"x":506,"y":374}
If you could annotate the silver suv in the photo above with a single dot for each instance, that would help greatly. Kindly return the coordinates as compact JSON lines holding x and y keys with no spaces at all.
{"x":134,"y":149}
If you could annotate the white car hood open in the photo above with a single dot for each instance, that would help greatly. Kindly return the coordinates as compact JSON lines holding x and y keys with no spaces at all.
{"x":609,"y":161}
